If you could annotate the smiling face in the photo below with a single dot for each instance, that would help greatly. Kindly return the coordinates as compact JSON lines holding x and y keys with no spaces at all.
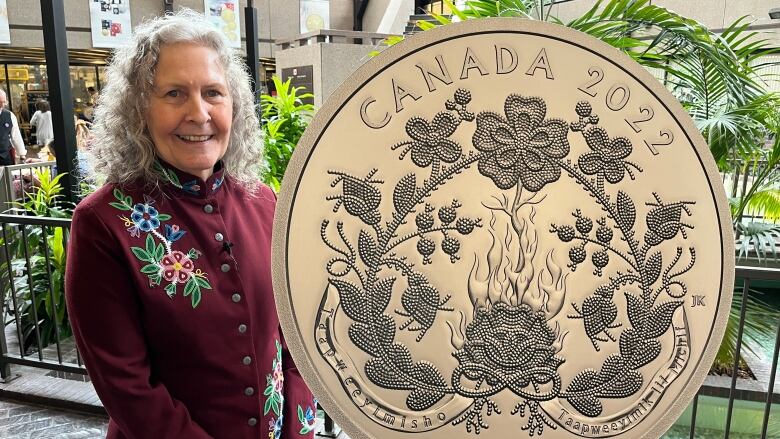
{"x":190,"y":109}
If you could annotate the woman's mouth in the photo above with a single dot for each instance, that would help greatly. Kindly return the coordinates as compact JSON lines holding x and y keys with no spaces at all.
{"x":195,"y":138}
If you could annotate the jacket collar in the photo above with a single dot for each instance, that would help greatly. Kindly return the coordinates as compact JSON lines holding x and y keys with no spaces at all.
{"x":187,"y":183}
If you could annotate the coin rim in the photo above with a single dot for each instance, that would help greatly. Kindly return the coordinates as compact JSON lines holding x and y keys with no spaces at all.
{"x":442,"y":34}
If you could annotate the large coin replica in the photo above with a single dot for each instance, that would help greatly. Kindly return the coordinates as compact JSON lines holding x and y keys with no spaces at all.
{"x":503,"y":228}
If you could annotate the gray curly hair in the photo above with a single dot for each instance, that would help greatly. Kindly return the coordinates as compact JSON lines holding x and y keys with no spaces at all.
{"x":122,"y":150}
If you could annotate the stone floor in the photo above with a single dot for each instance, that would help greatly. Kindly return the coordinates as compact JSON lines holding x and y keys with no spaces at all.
{"x":22,"y":421}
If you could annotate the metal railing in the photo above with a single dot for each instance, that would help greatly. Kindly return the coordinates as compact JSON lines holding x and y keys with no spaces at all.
{"x":32,"y":262}
{"x":30,"y":246}
{"x":17,"y":181}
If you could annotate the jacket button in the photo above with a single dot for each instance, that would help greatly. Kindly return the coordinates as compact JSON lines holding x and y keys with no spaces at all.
{"x":242,"y":328}
{"x":225,"y":268}
{"x":252,"y":422}
{"x":236,"y":297}
{"x":249,"y":391}
{"x":219,"y":237}
{"x":208,"y":208}
{"x":247,"y":360}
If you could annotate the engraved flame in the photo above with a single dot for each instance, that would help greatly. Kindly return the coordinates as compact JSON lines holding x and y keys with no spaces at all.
{"x":514,"y":275}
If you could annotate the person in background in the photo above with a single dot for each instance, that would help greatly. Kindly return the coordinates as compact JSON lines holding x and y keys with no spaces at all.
{"x":9,"y":134}
{"x":168,"y":281}
{"x":89,"y":106}
{"x":41,"y":120}
{"x":93,"y":95}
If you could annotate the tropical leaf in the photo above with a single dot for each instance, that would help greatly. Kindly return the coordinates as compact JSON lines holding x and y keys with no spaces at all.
{"x":758,"y":238}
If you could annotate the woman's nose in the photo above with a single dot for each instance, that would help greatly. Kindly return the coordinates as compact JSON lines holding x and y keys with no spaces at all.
{"x":198,"y":110}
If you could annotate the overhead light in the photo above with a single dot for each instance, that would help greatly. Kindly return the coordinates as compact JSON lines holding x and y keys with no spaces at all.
{"x":774,"y":13}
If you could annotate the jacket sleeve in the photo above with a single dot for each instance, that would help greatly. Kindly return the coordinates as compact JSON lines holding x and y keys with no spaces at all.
{"x":300,"y":408}
{"x":16,"y":137}
{"x":105,"y":316}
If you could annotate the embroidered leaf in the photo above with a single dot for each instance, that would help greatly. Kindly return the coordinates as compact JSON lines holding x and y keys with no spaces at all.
{"x":170,"y":289}
{"x":381,"y":296}
{"x":383,"y":374}
{"x":268,"y":390}
{"x":272,"y":403}
{"x":422,"y":398}
{"x":613,"y":365}
{"x":353,"y":301}
{"x":653,"y":267}
{"x":125,"y":203}
{"x":195,"y":297}
{"x":142,"y":254}
{"x":404,"y":192}
{"x":630,"y":341}
{"x":300,"y":414}
{"x":203,"y":282}
{"x":155,"y":280}
{"x":159,"y":251}
{"x":635,"y":311}
{"x":150,"y":245}
{"x":193,"y":254}
{"x":427,"y":373}
{"x":626,"y":385}
{"x":163,"y":217}
{"x":190,"y":286}
{"x":362,"y":336}
{"x":661,"y":318}
{"x":649,"y":351}
{"x":585,"y":380}
{"x":625,"y":210}
{"x":173,"y":178}
{"x":366,"y":247}
{"x":120,"y":206}
{"x":587,"y":405}
{"x":150,"y":269}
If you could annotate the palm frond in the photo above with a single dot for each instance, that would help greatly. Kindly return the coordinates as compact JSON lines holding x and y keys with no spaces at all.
{"x":758,"y":237}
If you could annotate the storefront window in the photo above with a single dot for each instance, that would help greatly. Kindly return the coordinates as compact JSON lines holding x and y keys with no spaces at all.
{"x":27,"y":83}
{"x":84,"y":83}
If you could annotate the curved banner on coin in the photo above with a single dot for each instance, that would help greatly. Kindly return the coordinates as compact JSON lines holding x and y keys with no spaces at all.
{"x":501,"y":228}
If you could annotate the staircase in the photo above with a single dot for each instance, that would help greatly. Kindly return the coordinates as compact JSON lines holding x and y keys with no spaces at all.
{"x":411,"y":25}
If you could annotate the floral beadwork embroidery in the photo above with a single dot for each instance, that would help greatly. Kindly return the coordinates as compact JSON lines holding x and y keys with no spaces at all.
{"x":275,"y":381}
{"x":191,"y":187}
{"x":275,"y":428}
{"x":217,"y":183}
{"x":166,"y":174}
{"x":308,"y":418}
{"x":162,"y":262}
{"x":274,"y":398}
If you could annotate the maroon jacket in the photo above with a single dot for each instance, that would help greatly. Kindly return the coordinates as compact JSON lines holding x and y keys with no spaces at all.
{"x":170,"y":298}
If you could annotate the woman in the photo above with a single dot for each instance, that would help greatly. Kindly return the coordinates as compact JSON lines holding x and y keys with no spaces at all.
{"x":169,"y":283}
{"x":41,"y":120}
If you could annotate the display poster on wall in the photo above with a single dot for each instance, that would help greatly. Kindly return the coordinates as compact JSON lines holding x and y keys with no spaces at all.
{"x":303,"y":77}
{"x":110,"y":22}
{"x":224,"y":14}
{"x":5,"y":33}
{"x":315,"y":15}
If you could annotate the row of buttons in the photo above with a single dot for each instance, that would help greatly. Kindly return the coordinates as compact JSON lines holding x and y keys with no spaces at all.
{"x":236,"y":297}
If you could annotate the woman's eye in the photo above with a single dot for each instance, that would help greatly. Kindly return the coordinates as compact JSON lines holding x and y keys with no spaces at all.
{"x":173,"y":94}
{"x":214,"y":93}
